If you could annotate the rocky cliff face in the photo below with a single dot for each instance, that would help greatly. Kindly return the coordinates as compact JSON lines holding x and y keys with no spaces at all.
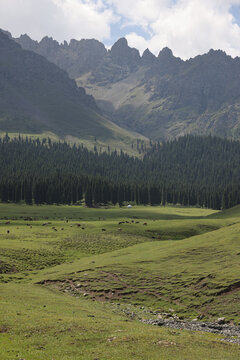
{"x":122,"y":54}
{"x":77,"y":57}
{"x":38,"y":96}
{"x":84,"y":56}
{"x":161,"y":97}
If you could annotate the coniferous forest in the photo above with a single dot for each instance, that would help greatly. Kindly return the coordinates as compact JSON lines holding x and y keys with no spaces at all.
{"x":191,"y":170}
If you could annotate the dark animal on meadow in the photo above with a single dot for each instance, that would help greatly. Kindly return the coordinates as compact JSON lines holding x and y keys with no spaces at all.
{"x":132,"y":221}
{"x":145,"y":223}
{"x":78,"y":225}
{"x":62,"y":228}
{"x":121,"y":222}
{"x":83,"y":228}
{"x":7,"y":223}
{"x":8,"y":231}
{"x":103,"y":229}
{"x":55,"y":229}
{"x":137,"y":222}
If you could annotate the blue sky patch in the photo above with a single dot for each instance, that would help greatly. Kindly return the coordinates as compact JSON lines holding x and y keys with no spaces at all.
{"x":119,"y":30}
{"x":235,"y":11}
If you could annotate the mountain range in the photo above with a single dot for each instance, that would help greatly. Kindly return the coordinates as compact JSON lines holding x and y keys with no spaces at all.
{"x":82,"y":90}
{"x":37,"y":97}
{"x":162,"y":96}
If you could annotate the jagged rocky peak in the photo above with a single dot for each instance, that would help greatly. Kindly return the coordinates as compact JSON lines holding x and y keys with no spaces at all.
{"x":26,"y":42}
{"x":214,"y":59}
{"x":148,"y":58}
{"x":120,"y":44}
{"x":167,"y":62}
{"x":55,"y":105}
{"x":165,"y":54}
{"x":64,"y":44}
{"x":219,"y":52}
{"x":219,"y":56}
{"x":49,"y":42}
{"x":6,"y":33}
{"x":5,"y":41}
{"x":90,"y":45}
{"x":25,"y":37}
{"x":122,"y":54}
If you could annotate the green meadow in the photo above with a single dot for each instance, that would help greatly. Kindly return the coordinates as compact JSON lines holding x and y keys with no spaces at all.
{"x":68,"y":272}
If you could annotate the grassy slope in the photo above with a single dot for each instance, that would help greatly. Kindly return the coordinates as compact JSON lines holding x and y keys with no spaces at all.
{"x":193,"y":254}
{"x":40,"y":325}
{"x":119,"y":139}
{"x":126,"y":101}
{"x":129,"y":104}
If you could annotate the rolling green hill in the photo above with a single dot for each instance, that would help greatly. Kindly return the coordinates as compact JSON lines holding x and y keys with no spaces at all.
{"x":77,"y":292}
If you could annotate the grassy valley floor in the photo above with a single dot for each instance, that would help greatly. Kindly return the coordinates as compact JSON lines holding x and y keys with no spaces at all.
{"x":69,"y":275}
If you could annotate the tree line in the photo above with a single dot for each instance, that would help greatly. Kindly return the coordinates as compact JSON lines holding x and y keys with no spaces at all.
{"x":191,"y":170}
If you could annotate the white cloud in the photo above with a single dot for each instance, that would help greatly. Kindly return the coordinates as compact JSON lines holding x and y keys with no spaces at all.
{"x":61,"y":19}
{"x":188,"y":27}
{"x":134,"y":40}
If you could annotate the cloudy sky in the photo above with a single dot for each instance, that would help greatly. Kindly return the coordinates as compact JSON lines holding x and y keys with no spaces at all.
{"x":188,"y":27}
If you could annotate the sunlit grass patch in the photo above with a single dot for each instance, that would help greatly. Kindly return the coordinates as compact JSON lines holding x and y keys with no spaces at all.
{"x":64,"y":270}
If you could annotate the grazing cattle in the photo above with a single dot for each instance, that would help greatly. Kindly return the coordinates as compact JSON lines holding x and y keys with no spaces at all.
{"x":137,"y":222}
{"x":103,"y":229}
{"x":83,"y":228}
{"x":8,"y":231}
{"x":62,"y":228}
{"x":145,"y":223}
{"x":7,"y":223}
{"x":78,"y":225}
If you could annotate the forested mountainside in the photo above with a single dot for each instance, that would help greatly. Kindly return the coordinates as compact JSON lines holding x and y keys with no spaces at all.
{"x":201,"y":171}
{"x":161,"y":97}
{"x":37,"y":96}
